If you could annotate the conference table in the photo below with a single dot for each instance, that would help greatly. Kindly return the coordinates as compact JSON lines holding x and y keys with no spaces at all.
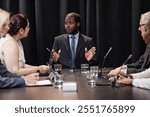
{"x":84,"y":91}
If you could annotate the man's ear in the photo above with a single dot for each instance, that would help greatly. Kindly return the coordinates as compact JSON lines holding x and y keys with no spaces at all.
{"x":78,"y":24}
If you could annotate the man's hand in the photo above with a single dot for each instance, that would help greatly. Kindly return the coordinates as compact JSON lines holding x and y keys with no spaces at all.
{"x":89,"y":54}
{"x":117,"y":71}
{"x":44,"y":69}
{"x":31,"y":79}
{"x":56,"y":55}
{"x":124,"y":80}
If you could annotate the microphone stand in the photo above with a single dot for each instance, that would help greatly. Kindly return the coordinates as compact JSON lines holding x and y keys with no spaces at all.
{"x":100,"y":74}
{"x":53,"y":75}
{"x":50,"y":59}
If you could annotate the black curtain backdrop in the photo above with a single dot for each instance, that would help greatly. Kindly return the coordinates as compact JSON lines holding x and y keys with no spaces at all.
{"x":111,"y":23}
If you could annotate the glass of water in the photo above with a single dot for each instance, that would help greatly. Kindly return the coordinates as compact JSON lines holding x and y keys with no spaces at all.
{"x":58,"y":68}
{"x":91,"y":78}
{"x":94,"y":70}
{"x":84,"y":68}
{"x":59,"y":81}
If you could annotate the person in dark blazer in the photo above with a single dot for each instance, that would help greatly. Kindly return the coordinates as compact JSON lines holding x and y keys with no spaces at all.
{"x":140,"y":79}
{"x":142,"y":64}
{"x":7,"y":79}
{"x":72,"y":54}
{"x":144,"y":61}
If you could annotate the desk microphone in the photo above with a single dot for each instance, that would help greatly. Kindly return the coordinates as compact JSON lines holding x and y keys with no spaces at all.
{"x":129,"y":57}
{"x":100,"y":75}
{"x":48,"y":50}
{"x":52,"y":76}
{"x":108,"y":52}
{"x":113,"y":84}
{"x":50,"y":59}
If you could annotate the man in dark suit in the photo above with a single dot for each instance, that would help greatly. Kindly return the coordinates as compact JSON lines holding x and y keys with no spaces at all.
{"x":141,"y":79}
{"x":73,"y":49}
{"x":144,"y":61}
{"x":7,"y":79}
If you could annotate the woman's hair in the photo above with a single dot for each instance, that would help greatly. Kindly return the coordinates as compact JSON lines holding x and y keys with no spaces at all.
{"x":17,"y":22}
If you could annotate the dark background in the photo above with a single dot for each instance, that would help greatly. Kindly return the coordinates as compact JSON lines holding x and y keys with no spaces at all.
{"x":111,"y":23}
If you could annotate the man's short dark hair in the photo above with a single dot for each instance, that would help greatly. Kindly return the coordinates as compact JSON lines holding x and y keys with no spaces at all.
{"x":76,"y":16}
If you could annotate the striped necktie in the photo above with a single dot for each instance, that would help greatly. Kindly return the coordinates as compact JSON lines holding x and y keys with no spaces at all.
{"x":73,"y":51}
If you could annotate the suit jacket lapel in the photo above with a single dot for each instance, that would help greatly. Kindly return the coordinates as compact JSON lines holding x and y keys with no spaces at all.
{"x":67,"y":45}
{"x":147,"y":59}
{"x":79,"y":45}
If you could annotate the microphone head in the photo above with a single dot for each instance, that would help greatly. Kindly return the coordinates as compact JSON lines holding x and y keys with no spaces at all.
{"x":48,"y":50}
{"x":129,"y":57}
{"x":108,"y":52}
{"x":50,"y":59}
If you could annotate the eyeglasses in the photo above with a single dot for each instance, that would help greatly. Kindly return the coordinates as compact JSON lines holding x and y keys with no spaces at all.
{"x":141,"y":25}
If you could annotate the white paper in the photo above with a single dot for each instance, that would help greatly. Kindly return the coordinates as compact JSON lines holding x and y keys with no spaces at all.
{"x":43,"y":82}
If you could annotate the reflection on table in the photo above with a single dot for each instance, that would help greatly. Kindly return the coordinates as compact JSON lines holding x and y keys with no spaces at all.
{"x":84,"y":91}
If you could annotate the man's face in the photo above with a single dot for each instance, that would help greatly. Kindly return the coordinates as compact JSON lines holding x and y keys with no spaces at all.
{"x":145,"y":31}
{"x":71,"y":25}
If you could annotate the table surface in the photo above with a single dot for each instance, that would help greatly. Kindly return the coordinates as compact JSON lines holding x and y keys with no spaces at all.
{"x":84,"y":91}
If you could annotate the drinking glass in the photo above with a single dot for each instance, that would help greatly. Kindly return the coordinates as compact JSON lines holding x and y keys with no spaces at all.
{"x":59,"y":81}
{"x":58,"y":68}
{"x":91,"y":78}
{"x":94,"y":70}
{"x":84,"y":68}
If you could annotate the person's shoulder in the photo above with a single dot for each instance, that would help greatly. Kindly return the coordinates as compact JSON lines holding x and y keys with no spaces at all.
{"x":61,"y":36}
{"x":85,"y":37}
{"x":3,"y":39}
{"x":10,"y":41}
{"x":6,"y":45}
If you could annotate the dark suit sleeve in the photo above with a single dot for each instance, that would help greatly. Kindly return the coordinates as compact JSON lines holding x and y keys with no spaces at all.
{"x":56,"y":45}
{"x":134,"y":70}
{"x":9,"y":82}
{"x":56,"y":48}
{"x":135,"y":67}
{"x":138,"y":66}
{"x":89,"y":45}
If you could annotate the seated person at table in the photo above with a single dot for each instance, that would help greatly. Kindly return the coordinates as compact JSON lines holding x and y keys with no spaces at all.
{"x":7,"y":79}
{"x":11,"y":49}
{"x":141,"y":79}
{"x":144,"y":61}
{"x":73,"y":49}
